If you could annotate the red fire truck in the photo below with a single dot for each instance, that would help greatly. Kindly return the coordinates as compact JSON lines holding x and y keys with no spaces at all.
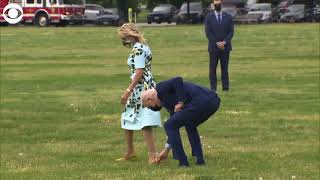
{"x":45,"y":12}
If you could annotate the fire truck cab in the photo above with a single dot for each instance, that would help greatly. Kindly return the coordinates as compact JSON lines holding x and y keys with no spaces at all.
{"x":45,"y":12}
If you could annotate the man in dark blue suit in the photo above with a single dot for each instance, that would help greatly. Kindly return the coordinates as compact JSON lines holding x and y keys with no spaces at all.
{"x":189,"y":105}
{"x":219,"y":31}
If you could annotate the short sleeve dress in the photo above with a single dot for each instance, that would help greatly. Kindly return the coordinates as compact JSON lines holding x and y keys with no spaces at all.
{"x":134,"y":115}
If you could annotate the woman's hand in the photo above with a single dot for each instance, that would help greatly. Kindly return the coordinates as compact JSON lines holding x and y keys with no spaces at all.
{"x":137,"y":77}
{"x":178,"y":107}
{"x":125,"y":97}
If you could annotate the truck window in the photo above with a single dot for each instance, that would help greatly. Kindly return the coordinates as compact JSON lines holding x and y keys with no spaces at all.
{"x":30,"y":1}
{"x":39,"y":1}
{"x":53,"y":1}
{"x":17,"y":2}
{"x":71,"y":2}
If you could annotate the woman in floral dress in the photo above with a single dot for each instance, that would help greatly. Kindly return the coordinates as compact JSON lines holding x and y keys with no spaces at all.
{"x":134,"y":115}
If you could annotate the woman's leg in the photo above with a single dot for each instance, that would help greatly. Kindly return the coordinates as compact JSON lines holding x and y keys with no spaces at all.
{"x":149,"y":139}
{"x":130,"y":150}
{"x":129,"y":141}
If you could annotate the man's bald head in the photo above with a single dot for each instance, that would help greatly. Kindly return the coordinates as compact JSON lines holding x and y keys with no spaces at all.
{"x":149,"y":98}
{"x":146,"y":96}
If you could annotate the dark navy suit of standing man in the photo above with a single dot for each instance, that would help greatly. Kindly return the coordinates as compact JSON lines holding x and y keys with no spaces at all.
{"x":219,"y":31}
{"x":197,"y":105}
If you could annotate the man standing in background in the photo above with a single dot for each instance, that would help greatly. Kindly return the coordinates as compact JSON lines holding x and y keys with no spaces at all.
{"x":219,"y":31}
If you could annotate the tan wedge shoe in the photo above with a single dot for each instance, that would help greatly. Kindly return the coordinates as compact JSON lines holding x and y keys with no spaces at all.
{"x":127,"y":158}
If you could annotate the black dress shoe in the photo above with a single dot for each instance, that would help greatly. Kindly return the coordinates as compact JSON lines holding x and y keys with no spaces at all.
{"x":225,"y":89}
{"x":185,"y":164}
{"x":200,"y":162}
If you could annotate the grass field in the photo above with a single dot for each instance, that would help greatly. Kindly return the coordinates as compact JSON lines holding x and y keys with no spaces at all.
{"x":60,"y":110}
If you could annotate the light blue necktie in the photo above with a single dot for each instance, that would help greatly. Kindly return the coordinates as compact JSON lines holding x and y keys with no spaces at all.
{"x":219,"y":18}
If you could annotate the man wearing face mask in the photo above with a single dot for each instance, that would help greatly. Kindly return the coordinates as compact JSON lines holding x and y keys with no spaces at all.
{"x":219,"y":32}
{"x":189,"y":105}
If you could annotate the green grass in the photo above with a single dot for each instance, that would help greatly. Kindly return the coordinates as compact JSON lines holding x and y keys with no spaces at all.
{"x":61,"y":87}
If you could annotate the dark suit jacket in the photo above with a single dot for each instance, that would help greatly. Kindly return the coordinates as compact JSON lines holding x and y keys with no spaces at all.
{"x":219,"y":32}
{"x":176,"y":90}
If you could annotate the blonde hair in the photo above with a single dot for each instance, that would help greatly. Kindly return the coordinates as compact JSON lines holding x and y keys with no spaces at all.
{"x":130,"y":29}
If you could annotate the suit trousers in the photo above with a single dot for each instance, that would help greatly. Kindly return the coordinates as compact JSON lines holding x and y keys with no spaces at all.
{"x":223,"y":56}
{"x":191,"y":116}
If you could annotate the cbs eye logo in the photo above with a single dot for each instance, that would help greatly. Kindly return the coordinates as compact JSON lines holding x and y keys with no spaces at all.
{"x":12,"y":13}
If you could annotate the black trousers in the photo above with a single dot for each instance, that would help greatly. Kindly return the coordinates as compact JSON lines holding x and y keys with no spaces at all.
{"x":215,"y":56}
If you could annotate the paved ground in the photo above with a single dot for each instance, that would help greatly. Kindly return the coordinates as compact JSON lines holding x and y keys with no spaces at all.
{"x":90,"y":25}
{"x":156,"y":24}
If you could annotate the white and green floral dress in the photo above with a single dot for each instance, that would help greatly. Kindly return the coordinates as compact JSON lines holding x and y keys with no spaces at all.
{"x":134,"y":115}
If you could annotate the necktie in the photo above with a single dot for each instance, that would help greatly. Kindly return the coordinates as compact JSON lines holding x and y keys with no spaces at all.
{"x":219,"y":18}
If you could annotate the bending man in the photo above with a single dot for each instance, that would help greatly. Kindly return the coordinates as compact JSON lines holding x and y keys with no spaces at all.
{"x":189,"y":105}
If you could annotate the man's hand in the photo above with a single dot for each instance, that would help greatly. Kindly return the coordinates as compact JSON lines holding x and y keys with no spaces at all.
{"x":178,"y":107}
{"x":221,"y":44}
{"x":163,"y":155}
{"x":125,"y":97}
